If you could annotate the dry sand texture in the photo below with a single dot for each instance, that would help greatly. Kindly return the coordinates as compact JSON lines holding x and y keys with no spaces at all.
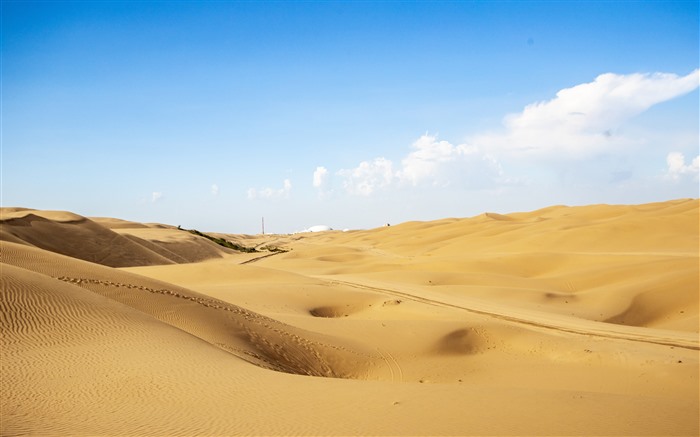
{"x":562,"y":321}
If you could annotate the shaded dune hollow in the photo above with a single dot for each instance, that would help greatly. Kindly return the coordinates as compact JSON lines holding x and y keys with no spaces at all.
{"x":650,"y":308}
{"x":359,"y":305}
{"x":255,"y":338}
{"x":335,"y":311}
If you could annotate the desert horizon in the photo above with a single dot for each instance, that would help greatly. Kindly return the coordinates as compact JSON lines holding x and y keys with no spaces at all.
{"x":559,"y":321}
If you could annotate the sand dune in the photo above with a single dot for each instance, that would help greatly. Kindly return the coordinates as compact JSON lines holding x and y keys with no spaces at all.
{"x":562,"y":321}
{"x":110,"y":242}
{"x":248,"y":335}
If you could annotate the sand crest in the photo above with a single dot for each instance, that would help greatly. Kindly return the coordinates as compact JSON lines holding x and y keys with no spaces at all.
{"x":110,"y":242}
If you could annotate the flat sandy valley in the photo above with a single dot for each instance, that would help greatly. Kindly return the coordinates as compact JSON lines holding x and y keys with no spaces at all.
{"x":561,"y":321}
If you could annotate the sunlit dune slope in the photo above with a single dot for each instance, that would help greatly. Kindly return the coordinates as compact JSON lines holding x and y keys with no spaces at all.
{"x":104,"y":352}
{"x":110,"y":242}
{"x":631,"y":265}
{"x":260,"y":340}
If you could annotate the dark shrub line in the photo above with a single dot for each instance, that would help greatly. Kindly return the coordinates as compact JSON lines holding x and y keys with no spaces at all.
{"x":222,"y":242}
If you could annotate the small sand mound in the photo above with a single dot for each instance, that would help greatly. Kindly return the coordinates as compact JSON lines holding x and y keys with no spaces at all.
{"x":465,"y":341}
{"x":500,"y":217}
{"x":659,"y":308}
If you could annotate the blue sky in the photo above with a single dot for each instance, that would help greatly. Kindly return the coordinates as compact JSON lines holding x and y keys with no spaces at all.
{"x":352,"y":114}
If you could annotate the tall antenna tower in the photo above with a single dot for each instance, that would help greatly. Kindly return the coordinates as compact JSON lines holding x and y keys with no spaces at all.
{"x":263,"y":225}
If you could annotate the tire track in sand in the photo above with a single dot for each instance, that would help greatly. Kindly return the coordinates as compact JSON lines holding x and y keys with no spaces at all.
{"x":392,"y":364}
{"x":258,"y":258}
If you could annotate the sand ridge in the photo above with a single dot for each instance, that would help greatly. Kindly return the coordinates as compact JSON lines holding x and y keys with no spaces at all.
{"x":106,"y":241}
{"x":562,"y":321}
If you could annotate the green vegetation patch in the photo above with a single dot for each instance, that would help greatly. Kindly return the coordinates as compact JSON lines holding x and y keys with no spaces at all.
{"x":273,"y":249}
{"x":222,"y":242}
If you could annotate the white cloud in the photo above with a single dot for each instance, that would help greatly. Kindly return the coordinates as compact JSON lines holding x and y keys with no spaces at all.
{"x":321,"y":182}
{"x":214,"y":189}
{"x":368,"y":177}
{"x":156,"y":196}
{"x":431,"y":162}
{"x":584,"y":120}
{"x":581,"y":125}
{"x":677,"y":167}
{"x":320,"y":177}
{"x":427,"y":158}
{"x":271,"y":193}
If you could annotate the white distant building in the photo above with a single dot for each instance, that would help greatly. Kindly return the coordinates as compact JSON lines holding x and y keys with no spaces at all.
{"x":319,"y":228}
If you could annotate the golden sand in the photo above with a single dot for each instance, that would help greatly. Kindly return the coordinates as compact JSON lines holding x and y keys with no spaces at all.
{"x":561,"y":321}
